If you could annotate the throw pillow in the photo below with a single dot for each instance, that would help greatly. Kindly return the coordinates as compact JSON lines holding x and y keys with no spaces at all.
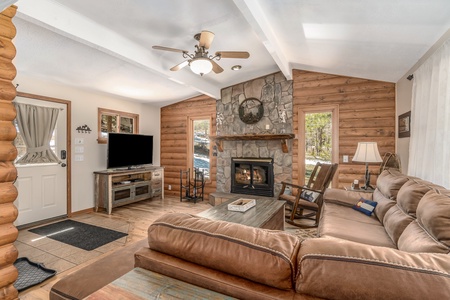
{"x":309,"y":195}
{"x":365,"y":206}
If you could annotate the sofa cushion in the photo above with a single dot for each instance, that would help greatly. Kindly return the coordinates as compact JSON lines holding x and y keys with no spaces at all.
{"x":337,"y":220}
{"x":343,"y":197}
{"x":384,"y":204}
{"x":264,"y":256}
{"x":415,"y":239}
{"x":339,"y":269}
{"x":395,"y":221}
{"x":433,"y":215}
{"x":389,"y":183}
{"x":344,"y":212}
{"x":411,"y":192}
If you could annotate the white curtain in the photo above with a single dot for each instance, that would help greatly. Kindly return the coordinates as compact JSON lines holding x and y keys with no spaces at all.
{"x":429,"y":147}
{"x":36,"y":125}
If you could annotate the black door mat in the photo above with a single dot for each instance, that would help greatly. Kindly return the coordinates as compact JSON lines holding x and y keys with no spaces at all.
{"x":84,"y":236}
{"x":30,"y":273}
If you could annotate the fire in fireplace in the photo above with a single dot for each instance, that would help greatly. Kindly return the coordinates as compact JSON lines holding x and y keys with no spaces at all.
{"x":253,"y":176}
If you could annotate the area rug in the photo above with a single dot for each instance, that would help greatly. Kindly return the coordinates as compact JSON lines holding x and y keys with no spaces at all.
{"x":306,"y":233}
{"x":30,"y":273}
{"x":81,"y":235}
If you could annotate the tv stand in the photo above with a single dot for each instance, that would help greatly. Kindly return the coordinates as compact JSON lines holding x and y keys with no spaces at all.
{"x":115,"y":188}
{"x":135,"y":168}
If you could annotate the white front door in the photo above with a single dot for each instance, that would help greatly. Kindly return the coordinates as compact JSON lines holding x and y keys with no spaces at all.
{"x":43,"y":187}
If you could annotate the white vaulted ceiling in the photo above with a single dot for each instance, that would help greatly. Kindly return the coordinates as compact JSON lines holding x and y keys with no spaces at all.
{"x":106,"y":46}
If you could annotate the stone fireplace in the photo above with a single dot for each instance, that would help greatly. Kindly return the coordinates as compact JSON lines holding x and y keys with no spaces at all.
{"x":275,"y":92}
{"x":253,"y":176}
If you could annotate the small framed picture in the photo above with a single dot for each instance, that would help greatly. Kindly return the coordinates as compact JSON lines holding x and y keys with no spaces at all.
{"x":404,"y":125}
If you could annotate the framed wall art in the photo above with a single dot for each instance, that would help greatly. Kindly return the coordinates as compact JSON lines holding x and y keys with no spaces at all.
{"x":404,"y":125}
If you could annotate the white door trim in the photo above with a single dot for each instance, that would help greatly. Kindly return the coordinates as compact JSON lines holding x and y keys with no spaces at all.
{"x":68,"y":141}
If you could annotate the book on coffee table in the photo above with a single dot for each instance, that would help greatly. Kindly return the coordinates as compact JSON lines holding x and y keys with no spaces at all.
{"x":241,"y":204}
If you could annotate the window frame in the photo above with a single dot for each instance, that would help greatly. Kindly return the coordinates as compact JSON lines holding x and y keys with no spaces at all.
{"x":334,"y":109}
{"x":190,"y":142}
{"x":119,"y":115}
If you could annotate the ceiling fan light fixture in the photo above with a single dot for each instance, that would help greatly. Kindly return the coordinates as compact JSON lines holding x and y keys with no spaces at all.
{"x":201,"y":66}
{"x":236,"y":67}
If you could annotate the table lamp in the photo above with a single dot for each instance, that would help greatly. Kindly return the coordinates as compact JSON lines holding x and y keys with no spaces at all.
{"x":367,"y":152}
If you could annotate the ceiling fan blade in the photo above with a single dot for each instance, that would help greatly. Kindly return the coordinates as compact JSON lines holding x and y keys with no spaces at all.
{"x":169,"y":49}
{"x":180,"y":66}
{"x":216,"y":68}
{"x":233,"y":54}
{"x":206,"y":38}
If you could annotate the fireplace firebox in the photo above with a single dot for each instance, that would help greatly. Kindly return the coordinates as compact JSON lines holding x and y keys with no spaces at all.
{"x":253,"y":176}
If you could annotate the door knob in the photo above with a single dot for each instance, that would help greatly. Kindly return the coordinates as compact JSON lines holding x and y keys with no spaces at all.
{"x":63,"y":165}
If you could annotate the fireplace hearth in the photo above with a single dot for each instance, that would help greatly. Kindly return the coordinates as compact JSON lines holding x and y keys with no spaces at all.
{"x":252,"y":176}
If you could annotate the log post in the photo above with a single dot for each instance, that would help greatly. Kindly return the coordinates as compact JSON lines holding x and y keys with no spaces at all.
{"x":8,"y":172}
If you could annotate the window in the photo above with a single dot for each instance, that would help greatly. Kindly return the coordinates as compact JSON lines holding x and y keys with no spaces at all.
{"x":115,"y":121}
{"x":317,"y":140}
{"x":20,"y":144}
{"x":199,"y":156}
{"x":319,"y":125}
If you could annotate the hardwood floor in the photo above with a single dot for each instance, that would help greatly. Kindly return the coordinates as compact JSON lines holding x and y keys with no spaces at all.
{"x":133,"y":219}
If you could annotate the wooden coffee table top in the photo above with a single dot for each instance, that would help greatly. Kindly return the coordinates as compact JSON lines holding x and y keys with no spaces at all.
{"x":142,"y":284}
{"x":257,"y":216}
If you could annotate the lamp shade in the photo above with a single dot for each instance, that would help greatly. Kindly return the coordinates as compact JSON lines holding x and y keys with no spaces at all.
{"x":367,"y":152}
{"x":201,"y":66}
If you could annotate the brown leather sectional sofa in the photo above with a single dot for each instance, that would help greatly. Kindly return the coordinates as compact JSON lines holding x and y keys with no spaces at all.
{"x":401,"y":252}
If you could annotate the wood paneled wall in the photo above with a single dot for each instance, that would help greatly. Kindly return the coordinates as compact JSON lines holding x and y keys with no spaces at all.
{"x":366,"y":113}
{"x":174,"y":140}
{"x":8,"y":173}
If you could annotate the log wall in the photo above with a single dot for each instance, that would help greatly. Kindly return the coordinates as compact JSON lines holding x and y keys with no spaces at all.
{"x":366,"y":114}
{"x":174,"y":140}
{"x":8,"y":173}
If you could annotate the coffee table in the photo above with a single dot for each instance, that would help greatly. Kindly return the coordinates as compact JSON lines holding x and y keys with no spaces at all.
{"x":267,"y":213}
{"x":142,"y":284}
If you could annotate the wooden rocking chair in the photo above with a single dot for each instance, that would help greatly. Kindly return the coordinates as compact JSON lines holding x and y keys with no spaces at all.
{"x":309,"y":197}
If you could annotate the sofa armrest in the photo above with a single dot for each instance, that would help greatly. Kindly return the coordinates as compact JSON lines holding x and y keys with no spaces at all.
{"x":343,"y":197}
{"x":335,"y":268}
{"x":94,"y":276}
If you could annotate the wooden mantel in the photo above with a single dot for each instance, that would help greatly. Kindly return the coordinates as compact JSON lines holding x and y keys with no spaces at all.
{"x":247,"y":137}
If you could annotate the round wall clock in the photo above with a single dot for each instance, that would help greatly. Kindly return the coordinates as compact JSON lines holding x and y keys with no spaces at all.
{"x":251,"y":110}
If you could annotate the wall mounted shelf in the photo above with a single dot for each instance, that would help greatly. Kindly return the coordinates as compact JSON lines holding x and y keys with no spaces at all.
{"x":247,"y":137}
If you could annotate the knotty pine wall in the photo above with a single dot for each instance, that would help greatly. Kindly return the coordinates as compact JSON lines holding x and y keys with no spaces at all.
{"x":174,"y":140}
{"x":366,"y":113}
{"x":8,"y":172}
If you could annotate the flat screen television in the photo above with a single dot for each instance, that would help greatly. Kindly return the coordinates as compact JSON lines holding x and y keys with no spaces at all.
{"x":129,"y":150}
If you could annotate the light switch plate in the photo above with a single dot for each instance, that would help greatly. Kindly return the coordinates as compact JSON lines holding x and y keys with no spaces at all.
{"x":79,"y":149}
{"x":79,"y":141}
{"x":79,"y":157}
{"x":345,"y":158}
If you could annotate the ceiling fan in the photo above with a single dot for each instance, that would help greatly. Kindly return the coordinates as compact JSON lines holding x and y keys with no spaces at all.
{"x":200,"y":62}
